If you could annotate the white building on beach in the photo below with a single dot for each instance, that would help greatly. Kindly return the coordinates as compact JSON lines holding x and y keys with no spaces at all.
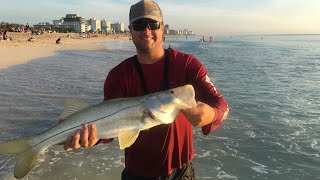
{"x":80,"y":24}
{"x":95,"y":24}
{"x":71,"y":21}
{"x":105,"y":25}
{"x":117,"y":27}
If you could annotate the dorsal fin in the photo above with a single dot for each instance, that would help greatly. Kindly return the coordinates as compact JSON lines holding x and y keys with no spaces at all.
{"x":71,"y":106}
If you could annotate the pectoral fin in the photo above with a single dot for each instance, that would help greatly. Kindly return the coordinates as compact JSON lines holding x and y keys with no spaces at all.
{"x":126,"y":139}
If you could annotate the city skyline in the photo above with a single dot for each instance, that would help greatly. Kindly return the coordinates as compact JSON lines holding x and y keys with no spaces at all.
{"x":83,"y":24}
{"x":203,"y":17}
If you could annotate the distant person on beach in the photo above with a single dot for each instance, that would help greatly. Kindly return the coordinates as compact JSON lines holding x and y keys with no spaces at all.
{"x":165,"y":151}
{"x":211,"y":39}
{"x":202,"y":40}
{"x":31,"y":39}
{"x":58,"y":41}
{"x":22,"y":28}
{"x":42,"y":30}
{"x":5,"y":36}
{"x":27,"y":27}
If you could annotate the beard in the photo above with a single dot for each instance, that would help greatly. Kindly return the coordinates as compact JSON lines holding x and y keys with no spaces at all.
{"x":147,"y":46}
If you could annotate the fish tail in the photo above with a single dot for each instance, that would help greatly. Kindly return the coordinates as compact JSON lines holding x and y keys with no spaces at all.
{"x":26,"y":155}
{"x":15,"y":146}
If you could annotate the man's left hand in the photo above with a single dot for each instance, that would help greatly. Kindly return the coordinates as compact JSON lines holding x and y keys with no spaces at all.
{"x":199,"y":116}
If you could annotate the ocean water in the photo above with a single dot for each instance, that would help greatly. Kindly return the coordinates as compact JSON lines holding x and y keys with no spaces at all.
{"x":272,"y":85}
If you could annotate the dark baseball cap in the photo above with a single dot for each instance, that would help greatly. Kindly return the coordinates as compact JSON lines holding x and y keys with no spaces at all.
{"x":145,"y":9}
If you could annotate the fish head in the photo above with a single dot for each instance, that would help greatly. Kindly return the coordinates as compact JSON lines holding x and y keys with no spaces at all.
{"x":164,"y":106}
{"x":184,"y":96}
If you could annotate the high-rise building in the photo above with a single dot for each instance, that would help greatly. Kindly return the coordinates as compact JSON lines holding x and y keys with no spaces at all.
{"x":57,"y":23}
{"x":117,"y":27}
{"x":105,"y":25}
{"x":74,"y":18}
{"x":71,"y":21}
{"x":185,"y":32}
{"x":95,"y":24}
{"x":173,"y":32}
{"x":166,"y":29}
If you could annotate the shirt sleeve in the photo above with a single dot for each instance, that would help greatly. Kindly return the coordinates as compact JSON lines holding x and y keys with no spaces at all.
{"x":207,"y":93}
{"x":112,"y":87}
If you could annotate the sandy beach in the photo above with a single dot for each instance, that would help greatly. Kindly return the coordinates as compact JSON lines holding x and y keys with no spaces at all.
{"x":21,"y":50}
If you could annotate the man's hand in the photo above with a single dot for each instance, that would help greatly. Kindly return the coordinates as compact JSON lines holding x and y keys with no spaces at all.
{"x":199,"y":116}
{"x":85,"y":137}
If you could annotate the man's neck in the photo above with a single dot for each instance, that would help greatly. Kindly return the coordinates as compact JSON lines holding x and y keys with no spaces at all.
{"x":150,"y":57}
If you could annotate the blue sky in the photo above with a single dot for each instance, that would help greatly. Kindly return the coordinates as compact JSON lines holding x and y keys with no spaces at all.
{"x":219,"y":17}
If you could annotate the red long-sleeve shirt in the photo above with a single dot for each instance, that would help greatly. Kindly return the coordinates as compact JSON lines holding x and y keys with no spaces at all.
{"x":160,"y":149}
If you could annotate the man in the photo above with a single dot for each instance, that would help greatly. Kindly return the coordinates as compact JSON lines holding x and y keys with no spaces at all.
{"x":5,"y":36}
{"x":27,"y":27}
{"x":165,"y":151}
{"x":58,"y":41}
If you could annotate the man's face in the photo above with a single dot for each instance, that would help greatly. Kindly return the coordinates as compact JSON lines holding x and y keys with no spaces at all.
{"x":147,"y":35}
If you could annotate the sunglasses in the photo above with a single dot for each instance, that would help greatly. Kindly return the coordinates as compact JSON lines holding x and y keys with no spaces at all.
{"x":141,"y":26}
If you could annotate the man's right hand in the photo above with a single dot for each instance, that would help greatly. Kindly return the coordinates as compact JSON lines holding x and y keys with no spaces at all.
{"x":85,"y":137}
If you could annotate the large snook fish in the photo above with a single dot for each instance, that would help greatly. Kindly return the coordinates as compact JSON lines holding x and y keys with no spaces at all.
{"x":123,"y":118}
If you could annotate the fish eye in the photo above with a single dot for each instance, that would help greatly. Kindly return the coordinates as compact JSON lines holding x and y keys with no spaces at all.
{"x":172,"y":92}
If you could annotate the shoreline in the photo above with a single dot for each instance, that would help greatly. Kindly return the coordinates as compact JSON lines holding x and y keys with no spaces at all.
{"x":19,"y":50}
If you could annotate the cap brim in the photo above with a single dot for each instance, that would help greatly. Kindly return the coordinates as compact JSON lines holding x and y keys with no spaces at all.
{"x":156,"y":18}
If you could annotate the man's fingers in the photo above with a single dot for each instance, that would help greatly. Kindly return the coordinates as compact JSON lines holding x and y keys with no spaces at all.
{"x":75,"y":141}
{"x":93,"y":135}
{"x":67,"y":144}
{"x":84,"y":136}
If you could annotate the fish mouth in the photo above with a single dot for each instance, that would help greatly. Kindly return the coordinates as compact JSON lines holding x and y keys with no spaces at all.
{"x":148,"y":113}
